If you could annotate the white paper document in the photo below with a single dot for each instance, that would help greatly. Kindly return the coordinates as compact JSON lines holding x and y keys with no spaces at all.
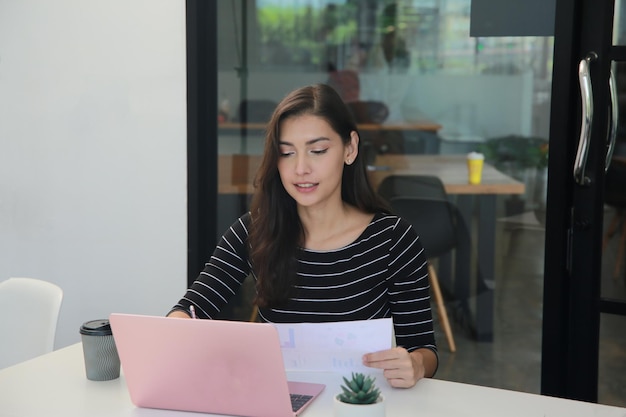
{"x":333,"y":346}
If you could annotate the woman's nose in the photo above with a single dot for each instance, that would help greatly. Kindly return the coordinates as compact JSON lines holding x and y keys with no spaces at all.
{"x":302,"y":164}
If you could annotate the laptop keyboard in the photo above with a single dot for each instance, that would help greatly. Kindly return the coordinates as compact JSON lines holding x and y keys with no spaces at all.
{"x":298,"y":400}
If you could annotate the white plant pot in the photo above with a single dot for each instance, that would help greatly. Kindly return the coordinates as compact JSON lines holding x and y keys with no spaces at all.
{"x":341,"y":409}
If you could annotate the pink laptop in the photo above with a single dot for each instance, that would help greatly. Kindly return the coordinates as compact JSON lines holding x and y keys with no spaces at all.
{"x":209,"y":366}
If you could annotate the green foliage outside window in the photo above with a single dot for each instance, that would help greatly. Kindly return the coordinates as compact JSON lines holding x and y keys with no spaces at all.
{"x":517,"y":151}
{"x":303,"y":34}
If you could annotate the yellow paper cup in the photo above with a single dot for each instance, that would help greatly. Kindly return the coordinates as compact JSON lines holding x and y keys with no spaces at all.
{"x":475,"y":163}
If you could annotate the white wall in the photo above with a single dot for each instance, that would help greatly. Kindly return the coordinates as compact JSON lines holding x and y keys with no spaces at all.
{"x":93,"y":153}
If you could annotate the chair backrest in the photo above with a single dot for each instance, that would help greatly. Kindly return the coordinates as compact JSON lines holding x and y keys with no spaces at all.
{"x":422,"y":186}
{"x":29,"y":311}
{"x":422,"y":201}
{"x":368,"y":111}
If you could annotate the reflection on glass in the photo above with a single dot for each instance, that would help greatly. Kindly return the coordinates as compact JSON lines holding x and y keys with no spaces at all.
{"x":619,"y":23}
{"x":614,"y":255}
{"x":417,"y":83}
{"x":408,"y":66}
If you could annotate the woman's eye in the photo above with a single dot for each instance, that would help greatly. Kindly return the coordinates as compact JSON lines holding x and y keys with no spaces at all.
{"x":286,"y":153}
{"x":319,"y":151}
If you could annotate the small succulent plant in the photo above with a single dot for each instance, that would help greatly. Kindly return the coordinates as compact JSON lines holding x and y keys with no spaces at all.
{"x":359,"y":390}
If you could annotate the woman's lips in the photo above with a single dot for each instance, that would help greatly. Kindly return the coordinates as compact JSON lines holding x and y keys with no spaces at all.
{"x":306,"y":187}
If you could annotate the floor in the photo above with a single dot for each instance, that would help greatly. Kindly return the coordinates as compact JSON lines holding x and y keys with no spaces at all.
{"x":513,"y":359}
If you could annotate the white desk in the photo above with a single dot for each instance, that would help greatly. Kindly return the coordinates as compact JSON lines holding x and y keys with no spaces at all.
{"x":55,"y":385}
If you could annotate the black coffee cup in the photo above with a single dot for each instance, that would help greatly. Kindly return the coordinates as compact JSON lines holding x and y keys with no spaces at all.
{"x":102,"y":363}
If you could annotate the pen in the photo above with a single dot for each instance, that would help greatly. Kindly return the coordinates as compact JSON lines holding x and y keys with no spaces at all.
{"x":192,"y":309}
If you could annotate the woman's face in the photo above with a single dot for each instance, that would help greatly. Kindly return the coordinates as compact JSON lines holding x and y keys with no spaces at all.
{"x":311,"y":160}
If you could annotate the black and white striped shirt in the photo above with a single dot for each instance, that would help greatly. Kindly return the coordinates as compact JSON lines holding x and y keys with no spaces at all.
{"x":382,"y":274}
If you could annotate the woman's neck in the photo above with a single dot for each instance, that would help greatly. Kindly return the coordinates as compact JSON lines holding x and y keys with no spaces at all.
{"x":335,"y":228}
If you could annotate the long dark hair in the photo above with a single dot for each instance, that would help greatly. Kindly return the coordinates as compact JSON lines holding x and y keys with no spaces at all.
{"x":276,"y":233}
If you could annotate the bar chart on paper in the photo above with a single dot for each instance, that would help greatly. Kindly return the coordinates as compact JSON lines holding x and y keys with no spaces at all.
{"x":332,"y":346}
{"x":289,"y":341}
{"x":347,"y":363}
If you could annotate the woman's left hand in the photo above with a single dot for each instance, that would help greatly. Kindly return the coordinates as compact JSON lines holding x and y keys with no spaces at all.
{"x":401,"y":368}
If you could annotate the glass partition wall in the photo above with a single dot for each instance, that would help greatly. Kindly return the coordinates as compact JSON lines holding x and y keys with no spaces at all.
{"x":450,"y":92}
{"x":437,"y":93}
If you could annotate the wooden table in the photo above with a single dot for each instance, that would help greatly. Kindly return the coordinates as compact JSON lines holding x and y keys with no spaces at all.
{"x":451,"y":169}
{"x":620,"y":159}
{"x":237,"y":171}
{"x":388,"y":136}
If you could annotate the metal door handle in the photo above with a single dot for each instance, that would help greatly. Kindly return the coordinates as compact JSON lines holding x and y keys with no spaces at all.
{"x":586,"y":95}
{"x":614,"y":122}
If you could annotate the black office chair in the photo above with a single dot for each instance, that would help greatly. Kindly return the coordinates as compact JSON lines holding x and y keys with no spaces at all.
{"x":375,"y":113}
{"x":423,"y":202}
{"x":368,"y":111}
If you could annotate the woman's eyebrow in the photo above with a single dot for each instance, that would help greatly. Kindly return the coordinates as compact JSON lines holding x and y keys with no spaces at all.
{"x":309,"y":142}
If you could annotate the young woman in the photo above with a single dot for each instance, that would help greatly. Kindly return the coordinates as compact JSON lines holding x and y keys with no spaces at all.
{"x":320,"y":243}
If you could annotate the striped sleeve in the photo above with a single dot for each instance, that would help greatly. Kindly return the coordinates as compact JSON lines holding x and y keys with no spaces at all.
{"x":223,"y":274}
{"x":409,"y":290}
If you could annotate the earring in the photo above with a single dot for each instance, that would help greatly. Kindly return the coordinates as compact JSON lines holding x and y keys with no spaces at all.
{"x":349,"y":161}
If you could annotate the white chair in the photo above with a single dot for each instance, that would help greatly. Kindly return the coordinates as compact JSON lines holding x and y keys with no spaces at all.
{"x":29,"y":311}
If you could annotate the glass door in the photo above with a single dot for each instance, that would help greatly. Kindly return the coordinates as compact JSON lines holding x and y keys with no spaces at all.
{"x":584,"y":125}
{"x":443,"y":93}
{"x":459,"y":93}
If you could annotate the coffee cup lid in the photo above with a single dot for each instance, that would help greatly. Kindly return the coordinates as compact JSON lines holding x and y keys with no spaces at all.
{"x":475,"y":155}
{"x":100,"y":327}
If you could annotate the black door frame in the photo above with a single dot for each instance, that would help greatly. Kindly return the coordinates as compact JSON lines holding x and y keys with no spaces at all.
{"x":201,"y":18}
{"x":574,"y":226}
{"x":571,"y":303}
